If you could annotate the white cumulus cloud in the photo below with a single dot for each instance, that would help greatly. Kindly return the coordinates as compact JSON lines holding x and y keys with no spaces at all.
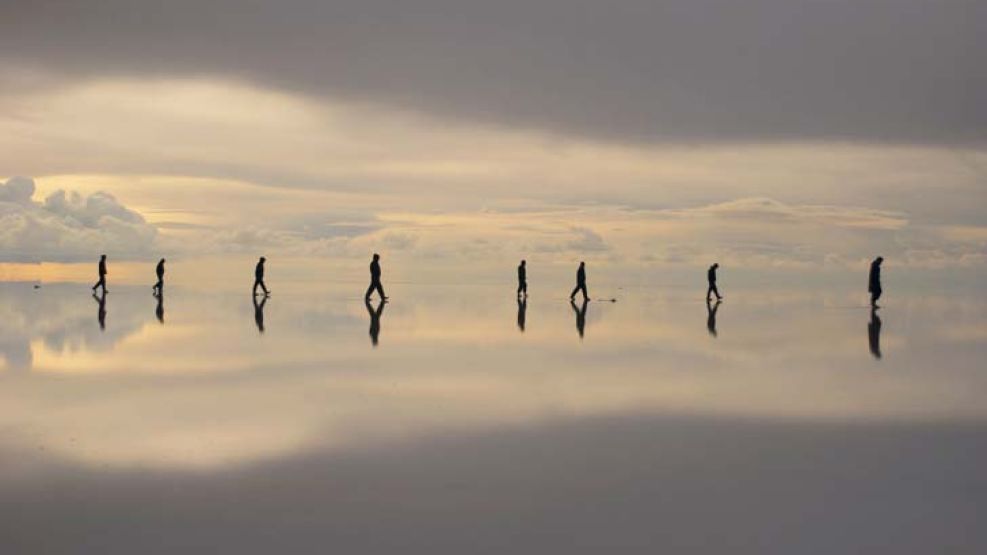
{"x":67,"y":226}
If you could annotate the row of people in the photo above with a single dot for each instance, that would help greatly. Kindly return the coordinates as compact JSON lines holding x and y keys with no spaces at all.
{"x":873,"y":282}
{"x":873,"y":327}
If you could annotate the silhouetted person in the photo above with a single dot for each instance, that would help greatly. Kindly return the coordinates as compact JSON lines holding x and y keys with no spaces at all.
{"x":580,"y":315}
{"x":711,"y":278}
{"x":580,"y":283}
{"x":874,"y":333}
{"x":375,"y":314}
{"x":159,"y":310}
{"x":711,"y":316}
{"x":375,"y":280}
{"x":102,"y":274}
{"x":259,"y":277}
{"x":159,"y":271}
{"x":101,"y":312}
{"x":874,"y":281}
{"x":522,"y":309}
{"x":522,"y":280}
{"x":259,"y":312}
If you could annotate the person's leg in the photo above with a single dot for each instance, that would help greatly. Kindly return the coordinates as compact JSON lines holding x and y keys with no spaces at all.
{"x":585,"y":292}
{"x":716,"y":291}
{"x":370,"y":290}
{"x":264,"y":287}
{"x":524,"y":288}
{"x":256,"y":283}
{"x":574,"y":291}
{"x":380,"y":291}
{"x":709,"y":291}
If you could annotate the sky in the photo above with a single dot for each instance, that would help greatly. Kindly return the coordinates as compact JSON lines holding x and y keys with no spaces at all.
{"x":644,"y":137}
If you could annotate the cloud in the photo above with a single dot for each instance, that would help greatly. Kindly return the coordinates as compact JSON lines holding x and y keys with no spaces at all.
{"x":587,"y":240}
{"x":68,"y":226}
{"x":62,"y":320}
{"x":767,"y":210}
{"x":904,"y":71}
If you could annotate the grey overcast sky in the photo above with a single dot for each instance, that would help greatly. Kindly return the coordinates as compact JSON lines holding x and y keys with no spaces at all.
{"x":632,"y":70}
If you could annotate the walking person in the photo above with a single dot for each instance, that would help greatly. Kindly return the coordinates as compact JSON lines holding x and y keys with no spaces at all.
{"x":101,"y":311}
{"x":874,"y":281}
{"x":580,"y":316}
{"x":375,"y":279}
{"x":711,"y":278}
{"x":159,"y":270}
{"x":580,"y":283}
{"x":522,"y":280}
{"x":102,"y":274}
{"x":711,"y":316}
{"x":375,"y":314}
{"x":259,"y":277}
{"x":259,"y":312}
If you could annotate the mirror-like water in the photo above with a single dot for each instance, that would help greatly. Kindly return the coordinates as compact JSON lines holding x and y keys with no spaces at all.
{"x":455,"y":419}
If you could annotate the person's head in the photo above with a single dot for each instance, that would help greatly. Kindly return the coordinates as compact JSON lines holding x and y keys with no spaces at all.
{"x":162,"y":261}
{"x":581,"y":263}
{"x":879,"y":260}
{"x":102,"y":257}
{"x":716,"y":265}
{"x":376,"y":257}
{"x":263,"y":260}
{"x":522,"y":262}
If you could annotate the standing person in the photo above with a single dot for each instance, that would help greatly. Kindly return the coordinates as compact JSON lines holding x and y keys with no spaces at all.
{"x":522,"y":280}
{"x":874,"y":333}
{"x":159,"y":270}
{"x":102,"y":274}
{"x":375,"y":279}
{"x":580,"y":282}
{"x":711,"y":278}
{"x":259,"y":277}
{"x":874,"y":281}
{"x":159,"y":310}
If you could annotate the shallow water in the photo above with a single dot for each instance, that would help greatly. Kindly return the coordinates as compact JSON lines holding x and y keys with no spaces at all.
{"x":788,"y":422}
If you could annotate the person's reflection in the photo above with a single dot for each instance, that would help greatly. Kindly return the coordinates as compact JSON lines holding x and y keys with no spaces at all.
{"x":159,"y":310}
{"x":522,"y":308}
{"x":101,"y":312}
{"x":259,"y":312}
{"x":874,"y":333}
{"x":375,"y":315}
{"x":711,"y":309}
{"x":580,"y":315}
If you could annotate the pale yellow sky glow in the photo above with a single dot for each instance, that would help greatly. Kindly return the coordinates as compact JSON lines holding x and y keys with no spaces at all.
{"x":220,"y":167}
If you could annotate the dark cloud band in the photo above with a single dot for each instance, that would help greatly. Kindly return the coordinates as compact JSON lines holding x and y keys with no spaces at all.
{"x":893,"y":71}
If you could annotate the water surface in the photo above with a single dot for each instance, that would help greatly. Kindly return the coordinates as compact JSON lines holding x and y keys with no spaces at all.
{"x":456,"y":420}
